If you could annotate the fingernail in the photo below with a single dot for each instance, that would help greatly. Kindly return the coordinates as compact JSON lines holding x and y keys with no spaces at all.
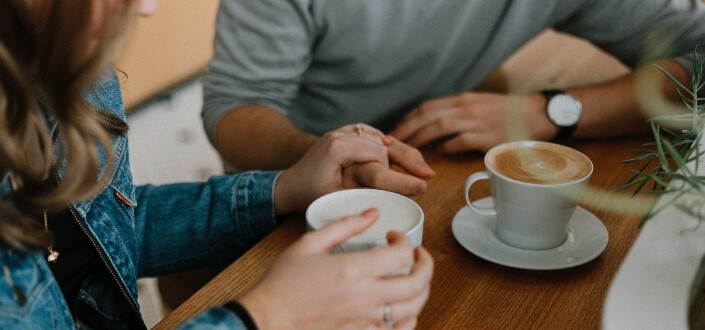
{"x":370,"y":213}
{"x":421,"y":188}
{"x":424,"y":165}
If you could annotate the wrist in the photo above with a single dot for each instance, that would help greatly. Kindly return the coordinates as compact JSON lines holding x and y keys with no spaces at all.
{"x":538,"y":126}
{"x":283,"y":197}
{"x":297,"y":144}
{"x":243,"y":313}
{"x":264,"y":310}
{"x":564,"y":112}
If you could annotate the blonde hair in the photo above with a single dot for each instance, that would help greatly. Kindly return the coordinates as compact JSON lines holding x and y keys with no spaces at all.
{"x":49,"y":56}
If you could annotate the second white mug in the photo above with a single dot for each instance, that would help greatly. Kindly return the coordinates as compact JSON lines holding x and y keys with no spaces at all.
{"x":535,"y":188}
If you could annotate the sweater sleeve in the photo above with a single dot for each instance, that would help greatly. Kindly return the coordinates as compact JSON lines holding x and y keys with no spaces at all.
{"x":637,"y":31}
{"x":261,"y":49}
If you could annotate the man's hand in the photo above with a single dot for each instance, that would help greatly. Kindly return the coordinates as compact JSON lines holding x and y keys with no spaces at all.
{"x":475,"y":121}
{"x":377,"y":175}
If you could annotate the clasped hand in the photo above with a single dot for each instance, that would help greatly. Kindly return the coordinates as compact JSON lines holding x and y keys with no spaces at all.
{"x":350,"y":158}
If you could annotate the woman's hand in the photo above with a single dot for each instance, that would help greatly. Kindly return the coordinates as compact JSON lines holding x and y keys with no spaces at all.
{"x":308,"y":287}
{"x":346,"y":158}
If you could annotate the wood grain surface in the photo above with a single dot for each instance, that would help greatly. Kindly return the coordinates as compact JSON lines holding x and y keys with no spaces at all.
{"x":467,"y":291}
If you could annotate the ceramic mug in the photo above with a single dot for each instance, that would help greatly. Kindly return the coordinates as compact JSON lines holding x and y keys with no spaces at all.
{"x":535,"y":188}
{"x":396,"y":212}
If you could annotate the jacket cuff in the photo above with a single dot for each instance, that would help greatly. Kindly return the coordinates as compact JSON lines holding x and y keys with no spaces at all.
{"x":254,"y":199}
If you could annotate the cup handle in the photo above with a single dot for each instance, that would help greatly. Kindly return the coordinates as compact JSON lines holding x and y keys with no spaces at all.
{"x":471,"y":180}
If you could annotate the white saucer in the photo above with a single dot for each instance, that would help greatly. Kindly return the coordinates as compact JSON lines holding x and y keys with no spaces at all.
{"x":587,"y":238}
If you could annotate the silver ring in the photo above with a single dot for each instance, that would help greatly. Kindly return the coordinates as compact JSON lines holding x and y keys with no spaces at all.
{"x":388,"y":322}
{"x":359,"y":129}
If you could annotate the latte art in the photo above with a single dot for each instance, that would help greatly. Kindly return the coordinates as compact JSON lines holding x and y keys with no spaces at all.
{"x":542,"y":164}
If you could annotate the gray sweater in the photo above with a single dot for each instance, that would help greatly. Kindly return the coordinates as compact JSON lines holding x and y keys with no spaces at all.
{"x":327,"y":63}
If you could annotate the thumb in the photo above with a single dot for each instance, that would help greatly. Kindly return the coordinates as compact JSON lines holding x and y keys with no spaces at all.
{"x":338,"y":231}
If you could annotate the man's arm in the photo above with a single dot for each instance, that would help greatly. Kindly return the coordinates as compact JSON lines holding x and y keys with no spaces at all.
{"x":620,"y":108}
{"x":257,"y":137}
{"x":479,"y":121}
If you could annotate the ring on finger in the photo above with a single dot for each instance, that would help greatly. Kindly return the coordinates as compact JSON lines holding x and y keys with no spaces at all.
{"x":388,"y":321}
{"x":359,"y":129}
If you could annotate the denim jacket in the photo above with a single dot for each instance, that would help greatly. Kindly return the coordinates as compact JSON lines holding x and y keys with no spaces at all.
{"x":140,"y":231}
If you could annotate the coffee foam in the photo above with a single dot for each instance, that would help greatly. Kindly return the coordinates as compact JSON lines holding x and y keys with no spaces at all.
{"x":540,"y":163}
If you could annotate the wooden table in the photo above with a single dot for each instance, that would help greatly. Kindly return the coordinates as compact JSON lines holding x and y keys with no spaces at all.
{"x":467,"y":291}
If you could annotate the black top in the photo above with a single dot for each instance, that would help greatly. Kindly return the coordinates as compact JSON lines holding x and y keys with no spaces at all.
{"x":77,"y":255}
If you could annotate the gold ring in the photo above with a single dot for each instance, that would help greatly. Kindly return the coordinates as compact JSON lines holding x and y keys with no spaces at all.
{"x":359,"y":129}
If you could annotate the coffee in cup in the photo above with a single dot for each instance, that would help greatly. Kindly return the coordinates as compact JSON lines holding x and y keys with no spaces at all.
{"x":535,"y":187}
{"x":540,"y":163}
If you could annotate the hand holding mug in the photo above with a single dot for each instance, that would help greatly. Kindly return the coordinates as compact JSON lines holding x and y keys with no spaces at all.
{"x":397,"y":213}
{"x":310,"y":287}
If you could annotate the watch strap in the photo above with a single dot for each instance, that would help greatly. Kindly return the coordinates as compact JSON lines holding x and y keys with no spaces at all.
{"x":564,"y":132}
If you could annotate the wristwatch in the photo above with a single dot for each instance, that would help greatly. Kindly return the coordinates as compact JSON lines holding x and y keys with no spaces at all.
{"x":563,"y":111}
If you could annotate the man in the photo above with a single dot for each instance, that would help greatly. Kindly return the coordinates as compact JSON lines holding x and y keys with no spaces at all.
{"x":286,"y":71}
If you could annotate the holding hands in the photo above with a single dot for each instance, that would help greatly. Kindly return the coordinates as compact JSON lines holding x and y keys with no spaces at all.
{"x":352,"y":156}
{"x":376,"y":175}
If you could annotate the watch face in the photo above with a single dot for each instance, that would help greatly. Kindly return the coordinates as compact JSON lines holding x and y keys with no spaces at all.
{"x":564,"y":110}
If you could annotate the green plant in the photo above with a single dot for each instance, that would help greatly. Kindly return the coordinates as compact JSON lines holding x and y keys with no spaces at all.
{"x":664,"y":162}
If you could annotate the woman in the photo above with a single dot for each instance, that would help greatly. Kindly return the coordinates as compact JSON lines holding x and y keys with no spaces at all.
{"x":75,"y":233}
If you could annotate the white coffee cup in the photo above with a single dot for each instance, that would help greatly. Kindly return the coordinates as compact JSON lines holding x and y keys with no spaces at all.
{"x":396,"y":212}
{"x":535,"y":187}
